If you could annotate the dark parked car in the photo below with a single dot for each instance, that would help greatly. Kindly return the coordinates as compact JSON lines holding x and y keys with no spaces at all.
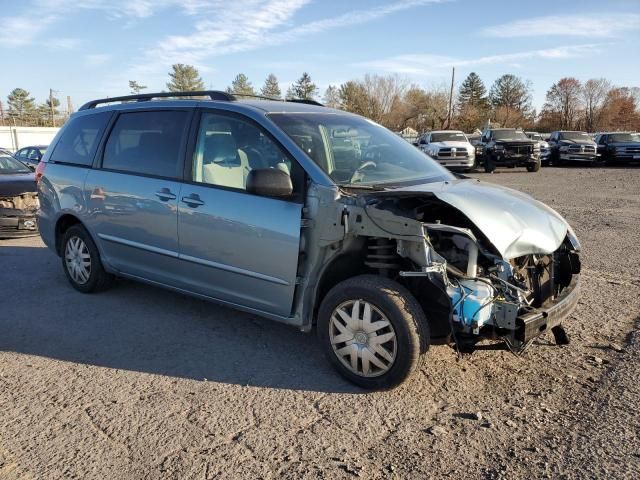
{"x":306,"y":215}
{"x":570,"y":147}
{"x":31,"y":155}
{"x":509,"y":147}
{"x":18,"y":198}
{"x":616,"y":147}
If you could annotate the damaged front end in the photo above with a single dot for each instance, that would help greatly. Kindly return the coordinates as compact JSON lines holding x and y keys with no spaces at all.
{"x":509,"y":265}
{"x":18,"y":215}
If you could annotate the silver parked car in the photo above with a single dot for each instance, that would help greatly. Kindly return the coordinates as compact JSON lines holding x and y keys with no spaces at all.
{"x":451,"y":148}
{"x":306,"y":215}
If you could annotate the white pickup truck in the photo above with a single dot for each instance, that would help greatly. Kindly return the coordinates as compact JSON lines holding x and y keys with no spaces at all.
{"x":451,"y":148}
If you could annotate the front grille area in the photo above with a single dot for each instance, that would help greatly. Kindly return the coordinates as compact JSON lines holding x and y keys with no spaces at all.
{"x":519,"y":149}
{"x":453,"y":153}
{"x":629,"y":150}
{"x":582,"y":149}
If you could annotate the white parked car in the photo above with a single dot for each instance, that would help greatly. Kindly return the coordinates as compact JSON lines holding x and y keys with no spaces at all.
{"x":451,"y":148}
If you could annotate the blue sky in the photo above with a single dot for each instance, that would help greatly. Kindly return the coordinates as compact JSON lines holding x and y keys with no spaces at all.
{"x":91,"y":48}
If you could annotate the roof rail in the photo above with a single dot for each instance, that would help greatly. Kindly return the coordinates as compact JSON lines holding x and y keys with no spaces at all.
{"x":264,"y":97}
{"x":144,"y":97}
{"x":304,"y":100}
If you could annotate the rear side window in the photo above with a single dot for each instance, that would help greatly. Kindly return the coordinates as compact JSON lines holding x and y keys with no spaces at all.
{"x":79,"y":140}
{"x":149,"y":143}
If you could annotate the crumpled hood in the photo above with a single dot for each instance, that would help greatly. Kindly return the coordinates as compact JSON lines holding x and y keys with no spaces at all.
{"x":17,"y":184}
{"x":514,"y":222}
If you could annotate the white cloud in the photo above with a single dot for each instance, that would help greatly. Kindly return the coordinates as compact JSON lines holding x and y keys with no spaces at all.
{"x":426,"y":64}
{"x":239,"y":28}
{"x":22,"y":30}
{"x":600,"y":25}
{"x":97,"y":59}
{"x":63,"y":43}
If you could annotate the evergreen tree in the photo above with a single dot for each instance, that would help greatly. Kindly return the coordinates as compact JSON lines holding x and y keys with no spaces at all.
{"x":510,"y":97}
{"x":20,"y":102}
{"x":241,"y":86}
{"x":472,"y":92}
{"x":332,"y":97}
{"x":135,"y":87}
{"x":184,"y":78}
{"x":271,"y":88}
{"x":303,"y":88}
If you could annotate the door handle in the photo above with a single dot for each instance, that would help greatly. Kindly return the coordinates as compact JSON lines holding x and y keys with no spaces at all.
{"x":165,"y":194}
{"x":193,"y":200}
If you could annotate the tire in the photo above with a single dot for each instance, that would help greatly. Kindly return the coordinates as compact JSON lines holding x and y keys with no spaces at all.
{"x":78,"y":248}
{"x":389,"y":302}
{"x":489,"y":163}
{"x":533,"y":167}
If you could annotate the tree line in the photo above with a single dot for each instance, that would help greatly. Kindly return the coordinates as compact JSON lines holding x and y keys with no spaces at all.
{"x":394,"y":102}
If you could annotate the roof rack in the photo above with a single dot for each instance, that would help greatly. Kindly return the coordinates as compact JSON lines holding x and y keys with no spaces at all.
{"x":293,"y":100}
{"x":144,"y":97}
{"x":304,"y":100}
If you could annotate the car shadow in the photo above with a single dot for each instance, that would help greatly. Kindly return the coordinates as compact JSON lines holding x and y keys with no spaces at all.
{"x":145,"y":329}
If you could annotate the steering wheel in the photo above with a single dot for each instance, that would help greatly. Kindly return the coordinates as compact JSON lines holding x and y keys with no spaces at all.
{"x":357,"y":174}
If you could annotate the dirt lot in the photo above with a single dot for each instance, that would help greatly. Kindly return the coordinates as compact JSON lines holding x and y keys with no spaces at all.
{"x":140,"y":383}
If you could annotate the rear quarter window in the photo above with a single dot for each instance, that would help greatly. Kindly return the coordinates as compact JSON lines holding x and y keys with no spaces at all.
{"x":80,"y":138}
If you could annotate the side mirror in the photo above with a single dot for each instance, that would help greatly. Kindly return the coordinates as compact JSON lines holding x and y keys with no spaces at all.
{"x":31,"y":167}
{"x":269,"y":182}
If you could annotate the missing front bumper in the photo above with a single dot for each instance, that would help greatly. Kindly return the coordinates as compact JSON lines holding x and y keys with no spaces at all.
{"x":531,"y":325}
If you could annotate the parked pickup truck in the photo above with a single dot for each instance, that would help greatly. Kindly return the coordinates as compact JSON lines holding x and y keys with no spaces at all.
{"x":569,"y":146}
{"x":509,"y":147}
{"x":545,"y":152}
{"x":451,"y":148}
{"x":616,"y":147}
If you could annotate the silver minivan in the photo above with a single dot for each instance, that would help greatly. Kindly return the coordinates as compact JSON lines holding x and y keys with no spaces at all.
{"x":306,"y":215}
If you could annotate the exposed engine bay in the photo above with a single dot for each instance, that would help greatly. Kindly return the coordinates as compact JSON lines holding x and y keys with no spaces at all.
{"x":490,"y":295}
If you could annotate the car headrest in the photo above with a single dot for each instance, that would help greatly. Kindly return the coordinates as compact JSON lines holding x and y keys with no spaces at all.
{"x":220,"y":148}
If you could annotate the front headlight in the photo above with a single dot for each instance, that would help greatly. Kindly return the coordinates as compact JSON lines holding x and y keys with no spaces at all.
{"x":571,"y":235}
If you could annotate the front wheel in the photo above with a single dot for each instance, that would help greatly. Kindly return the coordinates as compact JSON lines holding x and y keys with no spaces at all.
{"x":373,"y":331}
{"x":533,"y":167}
{"x":489,"y":163}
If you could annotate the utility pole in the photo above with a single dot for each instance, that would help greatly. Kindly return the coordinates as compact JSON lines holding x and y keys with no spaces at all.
{"x":51,"y":106}
{"x":1,"y":113}
{"x":69,"y":106}
{"x":449,"y":115}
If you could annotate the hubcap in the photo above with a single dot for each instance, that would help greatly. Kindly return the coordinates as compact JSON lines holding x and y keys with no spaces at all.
{"x":78,"y":260}
{"x":362,"y":338}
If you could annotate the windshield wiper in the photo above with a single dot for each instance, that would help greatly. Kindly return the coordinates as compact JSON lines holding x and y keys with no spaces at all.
{"x":363,"y":186}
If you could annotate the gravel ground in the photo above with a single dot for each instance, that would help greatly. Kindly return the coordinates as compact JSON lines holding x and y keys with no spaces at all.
{"x":137,"y":382}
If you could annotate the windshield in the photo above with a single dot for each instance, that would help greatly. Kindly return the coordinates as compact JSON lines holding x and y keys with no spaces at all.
{"x":9,"y":165}
{"x":574,"y":136}
{"x":448,"y":137}
{"x":354,"y":150}
{"x":624,"y":137}
{"x":509,"y":135}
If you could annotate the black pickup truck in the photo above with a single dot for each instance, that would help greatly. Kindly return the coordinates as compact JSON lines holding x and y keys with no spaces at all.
{"x":509,"y":147}
{"x":571,"y":147}
{"x":618,"y":147}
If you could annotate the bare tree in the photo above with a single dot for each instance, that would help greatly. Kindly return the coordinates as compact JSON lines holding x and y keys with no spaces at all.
{"x":564,"y":98}
{"x":594,"y":93}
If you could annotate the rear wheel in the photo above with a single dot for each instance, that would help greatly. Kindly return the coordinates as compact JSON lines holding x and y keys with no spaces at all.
{"x":81,"y":262}
{"x":373,"y":331}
